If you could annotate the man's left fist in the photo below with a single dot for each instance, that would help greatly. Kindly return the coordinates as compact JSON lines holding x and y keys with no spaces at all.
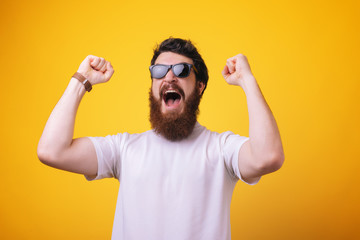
{"x":236,"y":70}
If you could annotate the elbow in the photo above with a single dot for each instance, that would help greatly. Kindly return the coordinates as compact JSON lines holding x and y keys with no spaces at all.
{"x":272,"y":162}
{"x":45,"y":155}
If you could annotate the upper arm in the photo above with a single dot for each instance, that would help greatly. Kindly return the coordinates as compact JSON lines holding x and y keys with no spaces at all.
{"x":252,"y":167}
{"x":247,"y":166}
{"x":80,"y":157}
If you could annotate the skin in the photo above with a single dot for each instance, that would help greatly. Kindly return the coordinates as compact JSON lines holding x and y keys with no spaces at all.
{"x":262,"y":154}
{"x":56,"y":147}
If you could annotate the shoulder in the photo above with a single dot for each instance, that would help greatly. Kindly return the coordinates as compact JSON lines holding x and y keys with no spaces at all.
{"x":119,"y":138}
{"x":219,"y":141}
{"x":221,"y":137}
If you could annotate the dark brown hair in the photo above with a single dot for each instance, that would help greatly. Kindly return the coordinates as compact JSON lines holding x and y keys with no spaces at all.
{"x":187,"y":49}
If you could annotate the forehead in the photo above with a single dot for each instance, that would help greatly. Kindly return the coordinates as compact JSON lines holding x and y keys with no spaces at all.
{"x":170,"y":58}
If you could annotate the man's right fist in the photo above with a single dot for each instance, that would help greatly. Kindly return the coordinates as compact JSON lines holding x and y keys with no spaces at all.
{"x":96,"y":69}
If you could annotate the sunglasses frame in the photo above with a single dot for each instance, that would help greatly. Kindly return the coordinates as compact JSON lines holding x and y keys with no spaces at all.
{"x":172,"y":69}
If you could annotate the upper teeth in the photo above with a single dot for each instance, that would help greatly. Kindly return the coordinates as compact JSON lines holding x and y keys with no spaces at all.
{"x":170,"y":91}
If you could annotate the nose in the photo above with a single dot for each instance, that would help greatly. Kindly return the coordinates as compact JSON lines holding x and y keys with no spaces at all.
{"x":170,"y":77}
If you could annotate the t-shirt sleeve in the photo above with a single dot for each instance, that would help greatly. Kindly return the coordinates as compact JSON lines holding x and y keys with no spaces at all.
{"x":108,"y":156}
{"x":231,"y":144}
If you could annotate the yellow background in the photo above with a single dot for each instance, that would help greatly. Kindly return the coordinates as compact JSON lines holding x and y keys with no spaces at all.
{"x":304,"y":54}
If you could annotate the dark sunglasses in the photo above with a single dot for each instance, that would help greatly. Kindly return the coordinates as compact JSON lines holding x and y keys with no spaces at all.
{"x":180,"y":70}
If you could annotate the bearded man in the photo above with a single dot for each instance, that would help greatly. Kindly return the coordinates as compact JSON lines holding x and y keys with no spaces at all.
{"x":176,"y":180}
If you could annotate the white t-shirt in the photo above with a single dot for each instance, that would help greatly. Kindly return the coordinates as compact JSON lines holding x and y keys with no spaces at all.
{"x":171,"y":190}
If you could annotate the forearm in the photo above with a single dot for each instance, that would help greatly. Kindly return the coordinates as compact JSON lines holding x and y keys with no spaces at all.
{"x":58,"y":132}
{"x":263,"y":153}
{"x":265,"y":141}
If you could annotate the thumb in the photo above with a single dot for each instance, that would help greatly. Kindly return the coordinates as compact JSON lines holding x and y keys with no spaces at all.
{"x":85,"y":66}
{"x":225,"y":72}
{"x":109,"y":71}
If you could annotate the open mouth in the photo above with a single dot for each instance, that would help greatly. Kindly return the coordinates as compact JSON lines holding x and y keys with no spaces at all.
{"x":171,"y":98}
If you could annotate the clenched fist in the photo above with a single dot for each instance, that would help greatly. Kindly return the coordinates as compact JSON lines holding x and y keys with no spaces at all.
{"x":96,"y":69}
{"x":237,"y":70}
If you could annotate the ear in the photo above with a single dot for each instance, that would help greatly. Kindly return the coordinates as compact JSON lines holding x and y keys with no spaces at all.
{"x":201,"y":87}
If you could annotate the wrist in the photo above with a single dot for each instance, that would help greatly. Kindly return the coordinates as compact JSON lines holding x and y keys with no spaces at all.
{"x":83,"y":80}
{"x":75,"y":87}
{"x":85,"y":73}
{"x":249,"y":83}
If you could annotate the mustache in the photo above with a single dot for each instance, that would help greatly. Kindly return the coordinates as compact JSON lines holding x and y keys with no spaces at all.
{"x":171,"y":86}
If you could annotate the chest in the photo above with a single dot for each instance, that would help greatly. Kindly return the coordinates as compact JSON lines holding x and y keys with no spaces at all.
{"x":172,"y":167}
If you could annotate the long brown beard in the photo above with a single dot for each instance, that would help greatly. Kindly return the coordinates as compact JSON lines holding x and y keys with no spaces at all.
{"x":175,"y":126}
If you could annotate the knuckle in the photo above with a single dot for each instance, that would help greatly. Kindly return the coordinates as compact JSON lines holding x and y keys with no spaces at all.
{"x":242,"y":56}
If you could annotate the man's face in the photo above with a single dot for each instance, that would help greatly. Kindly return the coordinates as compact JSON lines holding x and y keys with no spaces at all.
{"x":173,"y":91}
{"x":174,"y":101}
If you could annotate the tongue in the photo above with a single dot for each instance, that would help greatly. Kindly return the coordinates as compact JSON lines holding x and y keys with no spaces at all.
{"x":172,"y":102}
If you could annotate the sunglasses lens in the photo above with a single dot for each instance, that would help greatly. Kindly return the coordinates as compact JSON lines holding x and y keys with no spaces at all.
{"x":159,"y":71}
{"x":181,"y":70}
